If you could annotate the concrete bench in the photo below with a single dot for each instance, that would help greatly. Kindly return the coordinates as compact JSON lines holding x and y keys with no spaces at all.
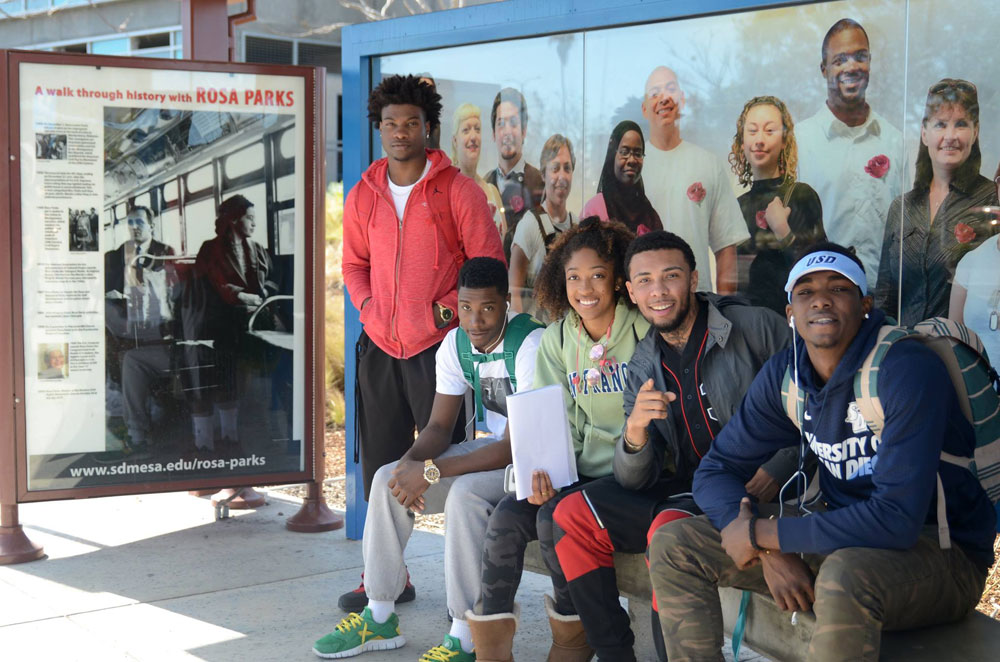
{"x":770,"y":632}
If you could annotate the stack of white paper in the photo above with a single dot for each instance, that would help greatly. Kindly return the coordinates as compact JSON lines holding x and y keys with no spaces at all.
{"x":539,"y":438}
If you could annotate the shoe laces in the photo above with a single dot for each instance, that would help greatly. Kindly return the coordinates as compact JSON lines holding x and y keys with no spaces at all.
{"x":439,"y":654}
{"x":350,"y":622}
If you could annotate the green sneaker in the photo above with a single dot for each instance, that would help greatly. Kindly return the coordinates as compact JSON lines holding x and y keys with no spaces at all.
{"x":449,"y":651}
{"x":359,"y":633}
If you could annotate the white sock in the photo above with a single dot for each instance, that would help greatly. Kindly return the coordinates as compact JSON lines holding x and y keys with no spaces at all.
{"x":203,"y":432}
{"x":460,"y":630}
{"x":227,"y":421}
{"x":381,"y":609}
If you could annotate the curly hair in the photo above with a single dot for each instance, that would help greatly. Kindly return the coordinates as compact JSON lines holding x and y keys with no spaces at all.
{"x":609,"y":239}
{"x":788,"y":160}
{"x":405,"y":90}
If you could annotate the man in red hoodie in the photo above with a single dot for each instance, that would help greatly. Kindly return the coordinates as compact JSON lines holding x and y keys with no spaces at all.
{"x":408,"y":225}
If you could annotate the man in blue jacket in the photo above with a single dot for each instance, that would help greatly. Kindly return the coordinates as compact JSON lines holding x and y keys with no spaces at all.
{"x":872,"y":561}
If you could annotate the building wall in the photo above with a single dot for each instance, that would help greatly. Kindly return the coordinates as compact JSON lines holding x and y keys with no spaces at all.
{"x":87,"y":22}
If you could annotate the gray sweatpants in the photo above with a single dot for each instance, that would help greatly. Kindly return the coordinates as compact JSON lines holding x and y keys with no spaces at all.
{"x":467,"y":502}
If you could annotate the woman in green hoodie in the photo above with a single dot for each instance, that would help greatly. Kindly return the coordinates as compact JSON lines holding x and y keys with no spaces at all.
{"x":586,"y":352}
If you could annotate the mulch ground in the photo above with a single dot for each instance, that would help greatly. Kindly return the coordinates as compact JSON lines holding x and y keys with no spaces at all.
{"x":333,"y":490}
{"x":333,"y":486}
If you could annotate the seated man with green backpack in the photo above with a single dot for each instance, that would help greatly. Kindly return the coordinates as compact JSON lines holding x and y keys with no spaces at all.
{"x":907,"y":435}
{"x":493,"y":353}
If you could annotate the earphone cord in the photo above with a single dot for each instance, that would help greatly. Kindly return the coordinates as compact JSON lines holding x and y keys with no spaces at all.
{"x":503,"y":330}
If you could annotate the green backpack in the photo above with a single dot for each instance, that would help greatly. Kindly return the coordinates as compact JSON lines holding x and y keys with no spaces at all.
{"x":517,"y":330}
{"x":968,"y":366}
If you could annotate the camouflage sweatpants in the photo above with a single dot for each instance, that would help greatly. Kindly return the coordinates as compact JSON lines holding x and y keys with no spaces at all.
{"x":860,"y":591}
{"x":512,"y":526}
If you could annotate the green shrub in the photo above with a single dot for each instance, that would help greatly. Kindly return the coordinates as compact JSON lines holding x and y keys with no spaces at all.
{"x":334,"y":323}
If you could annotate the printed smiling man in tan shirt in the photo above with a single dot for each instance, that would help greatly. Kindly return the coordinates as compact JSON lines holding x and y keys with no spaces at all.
{"x":688,"y":186}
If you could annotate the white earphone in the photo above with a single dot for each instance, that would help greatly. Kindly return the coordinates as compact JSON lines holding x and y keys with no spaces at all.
{"x":791,"y":321}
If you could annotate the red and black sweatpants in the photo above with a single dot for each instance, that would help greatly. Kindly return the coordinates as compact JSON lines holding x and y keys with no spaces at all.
{"x":589,"y":526}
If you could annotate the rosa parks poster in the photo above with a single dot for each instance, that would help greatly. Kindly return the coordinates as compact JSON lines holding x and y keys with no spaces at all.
{"x":183,"y":329}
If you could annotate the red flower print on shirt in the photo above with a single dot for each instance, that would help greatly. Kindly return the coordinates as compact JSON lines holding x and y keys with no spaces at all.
{"x":696,"y":192}
{"x":762,"y":219}
{"x":493,"y":208}
{"x":878,"y":166}
{"x":964,"y":233}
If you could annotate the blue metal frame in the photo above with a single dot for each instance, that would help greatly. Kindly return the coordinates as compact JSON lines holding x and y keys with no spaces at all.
{"x":364,"y":43}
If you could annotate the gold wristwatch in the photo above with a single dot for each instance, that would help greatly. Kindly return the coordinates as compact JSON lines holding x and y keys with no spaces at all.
{"x":431,"y":473}
{"x":446,"y":313}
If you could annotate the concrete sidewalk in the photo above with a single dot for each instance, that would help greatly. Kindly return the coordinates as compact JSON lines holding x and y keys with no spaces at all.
{"x":155,"y":578}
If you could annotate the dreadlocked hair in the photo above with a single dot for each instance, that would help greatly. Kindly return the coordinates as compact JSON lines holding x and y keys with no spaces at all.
{"x":405,"y":90}
{"x":609,"y":239}
{"x":788,"y":160}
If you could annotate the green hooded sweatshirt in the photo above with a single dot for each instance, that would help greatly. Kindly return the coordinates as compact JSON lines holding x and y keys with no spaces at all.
{"x":596,"y":413}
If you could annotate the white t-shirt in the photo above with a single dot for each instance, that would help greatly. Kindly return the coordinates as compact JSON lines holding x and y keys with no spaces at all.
{"x":400,"y":194}
{"x":530,"y":240}
{"x":707,"y":217}
{"x":979,"y":273}
{"x":832,"y":160}
{"x":451,"y":381}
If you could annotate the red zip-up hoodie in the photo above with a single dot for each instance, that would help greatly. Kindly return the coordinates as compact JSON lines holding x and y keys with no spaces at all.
{"x":406,"y":267}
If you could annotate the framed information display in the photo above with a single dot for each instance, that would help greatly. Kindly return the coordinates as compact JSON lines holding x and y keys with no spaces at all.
{"x":163,"y":307}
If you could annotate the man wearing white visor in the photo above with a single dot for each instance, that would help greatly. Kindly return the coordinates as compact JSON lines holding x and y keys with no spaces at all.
{"x":872,"y":560}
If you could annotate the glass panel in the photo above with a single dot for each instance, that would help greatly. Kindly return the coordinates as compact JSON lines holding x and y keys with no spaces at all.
{"x":951,"y":265}
{"x":111,"y":46}
{"x":286,"y":232}
{"x":170,"y":229}
{"x":286,"y":144}
{"x":246,"y":160}
{"x":201,"y":179}
{"x":199,"y":221}
{"x":151,"y":40}
{"x":285,"y":188}
{"x":686,"y":89}
{"x":170,"y":190}
{"x":547,"y":74}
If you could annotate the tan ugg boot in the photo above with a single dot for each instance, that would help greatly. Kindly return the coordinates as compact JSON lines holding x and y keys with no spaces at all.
{"x":493,"y":635}
{"x":569,"y":641}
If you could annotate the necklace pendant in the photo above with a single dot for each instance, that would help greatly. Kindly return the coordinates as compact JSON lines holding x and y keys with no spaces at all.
{"x":994,"y":321}
{"x":597,"y":352}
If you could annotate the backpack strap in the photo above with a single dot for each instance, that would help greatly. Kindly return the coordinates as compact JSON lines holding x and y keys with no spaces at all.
{"x":788,"y":194}
{"x":518,"y":329}
{"x":463,"y":346}
{"x":792,"y":398}
{"x":469,"y":362}
{"x":440,"y":206}
{"x":870,"y":404}
{"x":866,"y":378}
